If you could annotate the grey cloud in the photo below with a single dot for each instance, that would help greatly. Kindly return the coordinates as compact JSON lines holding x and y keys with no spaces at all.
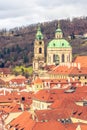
{"x":20,"y":12}
{"x":59,"y":3}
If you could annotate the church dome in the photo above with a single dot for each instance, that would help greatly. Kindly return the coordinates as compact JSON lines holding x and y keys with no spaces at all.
{"x":59,"y":43}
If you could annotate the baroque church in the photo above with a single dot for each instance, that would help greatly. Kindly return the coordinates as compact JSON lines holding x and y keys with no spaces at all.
{"x":59,"y":50}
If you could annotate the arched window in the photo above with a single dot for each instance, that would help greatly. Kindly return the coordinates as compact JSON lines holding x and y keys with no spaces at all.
{"x":69,"y":57}
{"x":54,"y":58}
{"x":57,"y":60}
{"x":40,"y":42}
{"x":63,"y":58}
{"x":40,"y":50}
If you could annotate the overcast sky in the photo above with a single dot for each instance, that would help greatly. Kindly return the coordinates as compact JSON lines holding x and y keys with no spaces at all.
{"x":25,"y":12}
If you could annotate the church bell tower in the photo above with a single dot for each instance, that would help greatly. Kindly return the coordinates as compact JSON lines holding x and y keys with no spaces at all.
{"x":39,"y":59}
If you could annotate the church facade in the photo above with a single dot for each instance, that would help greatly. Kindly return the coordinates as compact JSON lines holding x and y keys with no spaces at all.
{"x":59,"y":50}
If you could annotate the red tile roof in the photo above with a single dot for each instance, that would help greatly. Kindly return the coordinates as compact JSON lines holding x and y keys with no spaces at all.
{"x":61,"y":70}
{"x":13,"y":107}
{"x":18,"y":81}
{"x":76,"y":71}
{"x":62,"y":103}
{"x":38,"y":81}
{"x":2,"y":82}
{"x":55,"y":82}
{"x":48,"y":95}
{"x":83,"y":127}
{"x":65,"y":70}
{"x":51,"y":125}
{"x":25,"y":121}
{"x":80,"y":113}
{"x":49,"y":67}
{"x":82,"y":60}
{"x":47,"y":115}
{"x":5,"y":70}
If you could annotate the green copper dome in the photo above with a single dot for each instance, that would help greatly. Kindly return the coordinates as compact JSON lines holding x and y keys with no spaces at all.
{"x":59,"y":43}
{"x":39,"y":35}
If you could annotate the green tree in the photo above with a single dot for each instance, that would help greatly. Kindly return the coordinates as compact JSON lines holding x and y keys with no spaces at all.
{"x":25,"y":59}
{"x":8,"y":51}
{"x":18,"y":48}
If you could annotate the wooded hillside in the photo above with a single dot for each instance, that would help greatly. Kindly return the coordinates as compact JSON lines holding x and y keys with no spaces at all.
{"x":16,"y":45}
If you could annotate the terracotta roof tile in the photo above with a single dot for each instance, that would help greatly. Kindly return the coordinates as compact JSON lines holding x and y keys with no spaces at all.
{"x":38,"y":81}
{"x":48,"y":95}
{"x":82,"y":60}
{"x":25,"y":121}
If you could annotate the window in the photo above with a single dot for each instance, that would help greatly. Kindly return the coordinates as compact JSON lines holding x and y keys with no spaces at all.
{"x":54,"y":58}
{"x":19,"y":108}
{"x":68,"y":120}
{"x":85,"y":104}
{"x":79,"y":77}
{"x":40,"y":43}
{"x":74,"y":112}
{"x":23,"y":98}
{"x":42,"y":105}
{"x":62,"y":44}
{"x":53,"y":44}
{"x":79,"y":113}
{"x":67,"y":58}
{"x":16,"y":125}
{"x":9,"y":98}
{"x":62,"y":121}
{"x":63,"y":59}
{"x":40,"y":50}
{"x":51,"y":97}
